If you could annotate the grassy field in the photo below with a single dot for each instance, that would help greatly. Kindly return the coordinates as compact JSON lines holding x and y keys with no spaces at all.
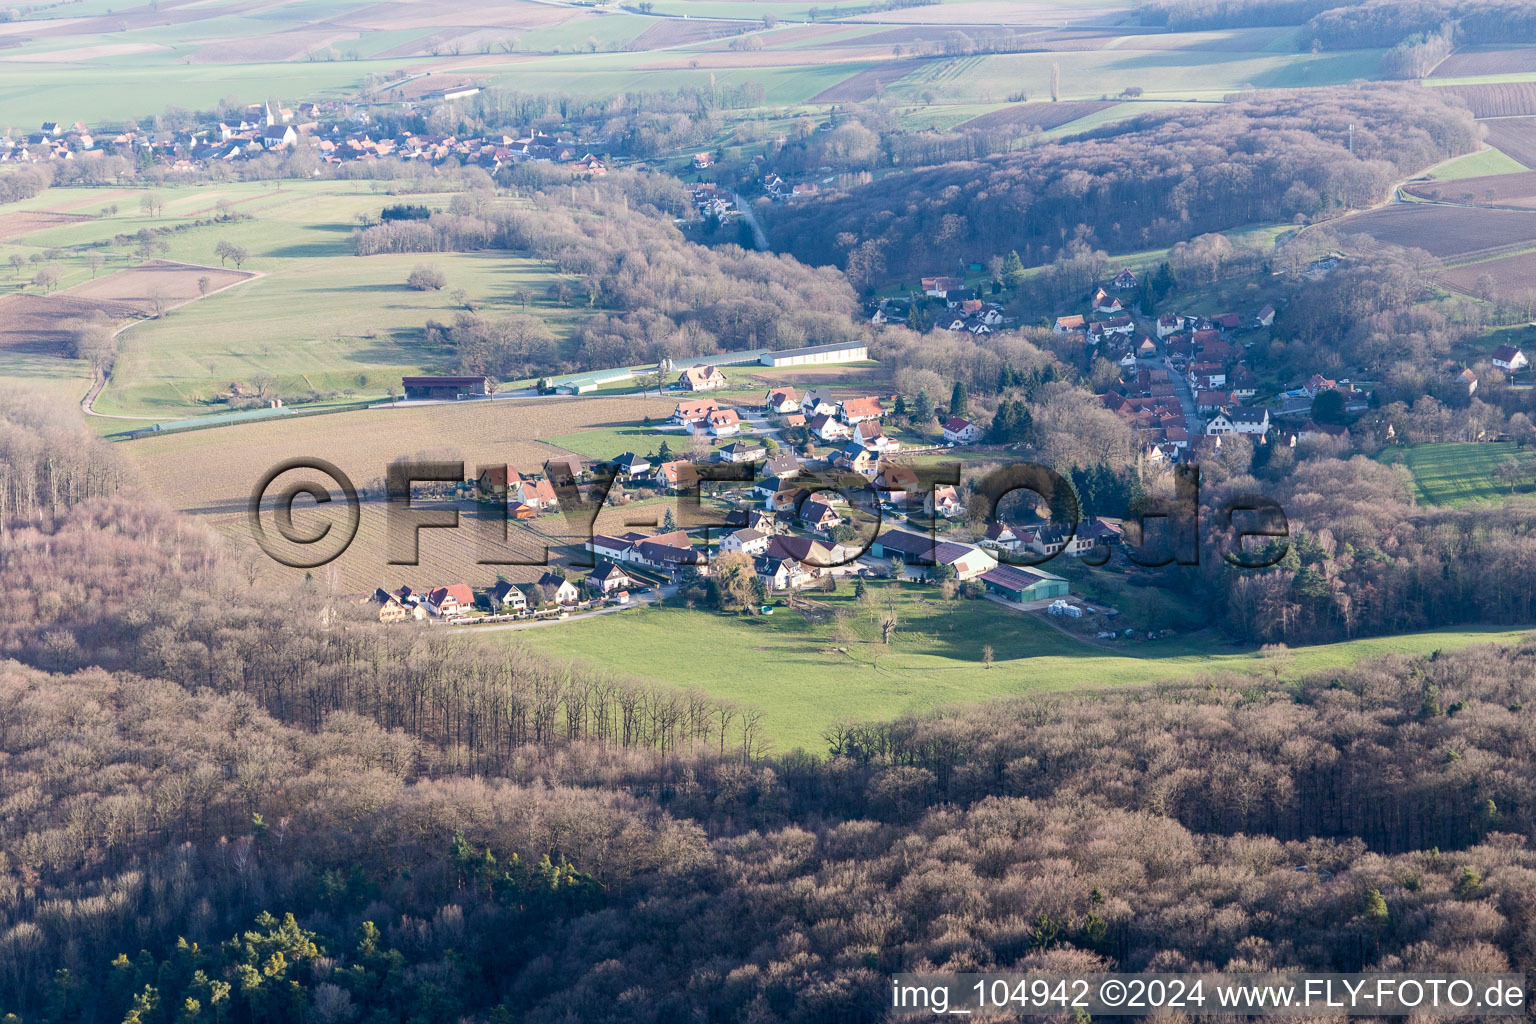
{"x":1476,"y":165}
{"x":1458,"y":473}
{"x":805,"y":677}
{"x":318,"y":318}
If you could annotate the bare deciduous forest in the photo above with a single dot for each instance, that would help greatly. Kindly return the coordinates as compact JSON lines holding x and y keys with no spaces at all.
{"x":223,"y":802}
{"x":1275,"y":157}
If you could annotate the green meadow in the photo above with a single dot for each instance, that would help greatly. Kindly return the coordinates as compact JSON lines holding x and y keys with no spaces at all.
{"x":317,"y":318}
{"x":1455,"y":473}
{"x":805,"y":676}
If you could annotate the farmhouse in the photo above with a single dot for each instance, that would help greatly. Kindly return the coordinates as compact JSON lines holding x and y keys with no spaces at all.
{"x":1509,"y":359}
{"x":958,"y":430}
{"x":418,"y":389}
{"x":701,"y":378}
{"x":940,"y":287}
{"x":847,"y":352}
{"x":564,"y":468}
{"x":1023,"y":583}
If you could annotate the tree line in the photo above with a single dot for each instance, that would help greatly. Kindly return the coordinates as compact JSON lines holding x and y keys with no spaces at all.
{"x":1151,"y":181}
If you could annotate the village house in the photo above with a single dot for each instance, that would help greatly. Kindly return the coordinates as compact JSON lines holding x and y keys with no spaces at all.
{"x":872,"y":435}
{"x":721,"y":423}
{"x":692,"y":410}
{"x":958,"y":430}
{"x":1509,"y":358}
{"x":781,"y":574}
{"x":492,"y":482}
{"x":808,"y":551}
{"x":940,"y":287}
{"x":1468,"y":380}
{"x":855,"y":458}
{"x":827,"y":428}
{"x":856,"y":410}
{"x":552,"y":590}
{"x":669,"y":552}
{"x":702,"y":378}
{"x":818,"y":515}
{"x":1103,"y":302}
{"x":537,"y":494}
{"x":1125,"y":281}
{"x":944,"y":501}
{"x":1239,"y":421}
{"x":1115,"y":326}
{"x":1169,"y":324}
{"x":1006,"y":537}
{"x":451,"y":600}
{"x":818,"y":402}
{"x":780,"y":401}
{"x":1265,"y":316}
{"x":620,"y":548}
{"x":677,"y":475}
{"x":746,"y":541}
{"x":783,"y":465}
{"x":507,"y":597}
{"x":392,"y":609}
{"x":1070,"y":324}
{"x":743,"y":451}
{"x":608,"y":577}
{"x":1210,"y":401}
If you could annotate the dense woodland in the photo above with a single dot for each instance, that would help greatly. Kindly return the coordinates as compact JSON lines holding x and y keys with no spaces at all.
{"x":653,"y":293}
{"x":1151,"y":181}
{"x":210,"y":815}
{"x":1367,"y":24}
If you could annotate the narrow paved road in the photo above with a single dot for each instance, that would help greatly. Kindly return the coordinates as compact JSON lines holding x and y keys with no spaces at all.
{"x":759,"y":236}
